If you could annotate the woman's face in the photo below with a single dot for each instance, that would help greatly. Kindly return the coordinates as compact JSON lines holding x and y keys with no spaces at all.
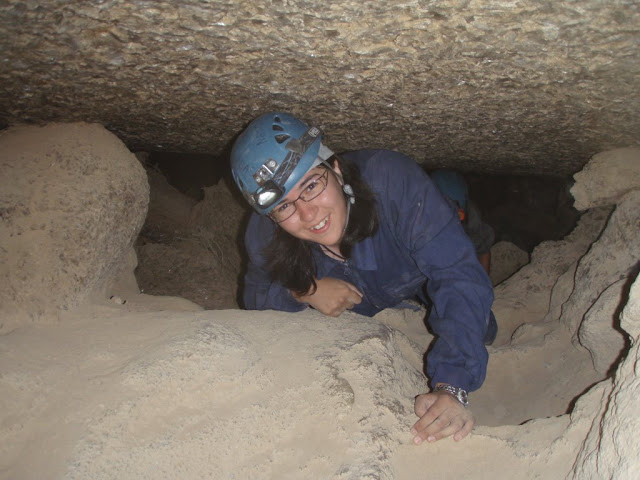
{"x":322,"y":219}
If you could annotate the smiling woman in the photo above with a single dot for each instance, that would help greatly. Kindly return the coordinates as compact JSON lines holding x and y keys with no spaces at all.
{"x":320,"y":218}
{"x":364,"y":231}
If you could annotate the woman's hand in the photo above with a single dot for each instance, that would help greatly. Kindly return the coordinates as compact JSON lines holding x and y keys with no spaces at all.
{"x":332,"y":297}
{"x":441,"y":415}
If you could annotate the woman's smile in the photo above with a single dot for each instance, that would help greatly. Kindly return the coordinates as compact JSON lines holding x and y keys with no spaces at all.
{"x":322,"y":226}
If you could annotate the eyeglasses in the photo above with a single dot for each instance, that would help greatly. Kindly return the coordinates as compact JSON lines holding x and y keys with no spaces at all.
{"x":313,"y":187}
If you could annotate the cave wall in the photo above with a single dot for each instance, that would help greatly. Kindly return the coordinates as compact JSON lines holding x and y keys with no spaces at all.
{"x":72,"y":201}
{"x":494,"y":87}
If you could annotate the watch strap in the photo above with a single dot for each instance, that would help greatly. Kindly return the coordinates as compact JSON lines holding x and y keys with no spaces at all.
{"x":460,"y":394}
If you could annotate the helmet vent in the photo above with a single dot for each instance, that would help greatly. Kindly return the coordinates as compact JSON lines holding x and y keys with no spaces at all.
{"x":282,"y":137}
{"x":279,"y":128}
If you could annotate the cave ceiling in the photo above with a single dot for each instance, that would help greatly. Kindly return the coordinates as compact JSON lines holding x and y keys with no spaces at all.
{"x":522,"y":87}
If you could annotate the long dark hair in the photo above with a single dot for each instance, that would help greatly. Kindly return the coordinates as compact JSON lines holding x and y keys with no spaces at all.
{"x":290,"y":260}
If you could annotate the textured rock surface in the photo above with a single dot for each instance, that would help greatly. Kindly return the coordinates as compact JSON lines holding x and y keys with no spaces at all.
{"x":506,"y":259}
{"x":525,"y":297}
{"x":72,"y":201}
{"x":613,"y":257}
{"x":606,"y":178}
{"x":521,"y":87}
{"x":188,"y":249}
{"x":611,"y":447}
{"x":600,"y":330}
{"x":232,"y":380}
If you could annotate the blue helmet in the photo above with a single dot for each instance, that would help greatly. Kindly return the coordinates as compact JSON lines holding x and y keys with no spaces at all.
{"x":451,"y":184}
{"x":272,"y":155}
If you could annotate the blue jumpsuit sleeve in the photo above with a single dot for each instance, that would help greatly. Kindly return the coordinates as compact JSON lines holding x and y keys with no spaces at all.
{"x":259,"y":292}
{"x":457,"y":285}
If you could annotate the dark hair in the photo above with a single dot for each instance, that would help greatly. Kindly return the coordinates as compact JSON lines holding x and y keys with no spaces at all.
{"x":290,"y":260}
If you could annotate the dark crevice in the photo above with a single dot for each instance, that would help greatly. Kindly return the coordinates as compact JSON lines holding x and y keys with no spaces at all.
{"x":525,"y":210}
{"x":189,"y":173}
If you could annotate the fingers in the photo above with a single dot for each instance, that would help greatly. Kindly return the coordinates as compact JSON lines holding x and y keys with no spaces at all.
{"x":441,"y":416}
{"x":465,"y":430}
{"x":350,"y":299}
{"x":335,"y":306}
{"x":422,"y":403}
{"x":353,"y":300}
{"x":333,"y":296}
{"x":459,"y":428}
{"x":354,"y":289}
{"x":346,"y":302}
{"x":432,"y":419}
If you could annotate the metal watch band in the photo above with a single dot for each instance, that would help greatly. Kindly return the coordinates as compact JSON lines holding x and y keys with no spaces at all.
{"x":460,"y":394}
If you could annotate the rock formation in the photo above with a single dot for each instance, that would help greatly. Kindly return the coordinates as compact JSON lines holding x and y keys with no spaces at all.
{"x":72,"y":200}
{"x":130,"y":385}
{"x":513,"y":87}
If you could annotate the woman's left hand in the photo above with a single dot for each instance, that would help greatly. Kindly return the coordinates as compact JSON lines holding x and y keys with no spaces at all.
{"x":441,"y":415}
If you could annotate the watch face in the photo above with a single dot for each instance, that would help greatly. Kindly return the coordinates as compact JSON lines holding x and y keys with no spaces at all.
{"x":463,"y":397}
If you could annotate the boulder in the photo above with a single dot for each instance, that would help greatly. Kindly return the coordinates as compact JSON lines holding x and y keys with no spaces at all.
{"x":506,"y":259}
{"x":607,"y":177}
{"x":72,"y":200}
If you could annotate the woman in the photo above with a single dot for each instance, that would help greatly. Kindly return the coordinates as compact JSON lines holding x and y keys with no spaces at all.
{"x":363,"y":232}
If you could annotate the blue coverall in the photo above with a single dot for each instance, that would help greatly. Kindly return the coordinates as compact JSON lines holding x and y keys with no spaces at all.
{"x":419,"y":247}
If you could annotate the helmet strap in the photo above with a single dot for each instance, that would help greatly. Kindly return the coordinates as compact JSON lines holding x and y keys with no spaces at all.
{"x":350,"y":202}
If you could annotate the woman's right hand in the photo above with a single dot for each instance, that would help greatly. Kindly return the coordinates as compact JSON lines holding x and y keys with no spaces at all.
{"x":332,"y":297}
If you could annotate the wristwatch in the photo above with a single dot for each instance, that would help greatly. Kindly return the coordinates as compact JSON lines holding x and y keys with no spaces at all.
{"x":460,"y":394}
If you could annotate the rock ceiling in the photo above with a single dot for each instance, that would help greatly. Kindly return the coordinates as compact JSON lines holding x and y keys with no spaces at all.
{"x":487,"y":86}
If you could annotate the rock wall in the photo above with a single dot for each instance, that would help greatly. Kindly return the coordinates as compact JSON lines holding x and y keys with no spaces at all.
{"x":611,"y":447}
{"x":606,"y":178}
{"x":605,"y":273}
{"x":509,"y":258}
{"x":72,"y":201}
{"x":192,"y":250}
{"x":479,"y":85}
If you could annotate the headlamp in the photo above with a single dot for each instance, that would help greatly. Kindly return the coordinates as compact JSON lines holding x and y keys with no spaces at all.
{"x":268,"y":194}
